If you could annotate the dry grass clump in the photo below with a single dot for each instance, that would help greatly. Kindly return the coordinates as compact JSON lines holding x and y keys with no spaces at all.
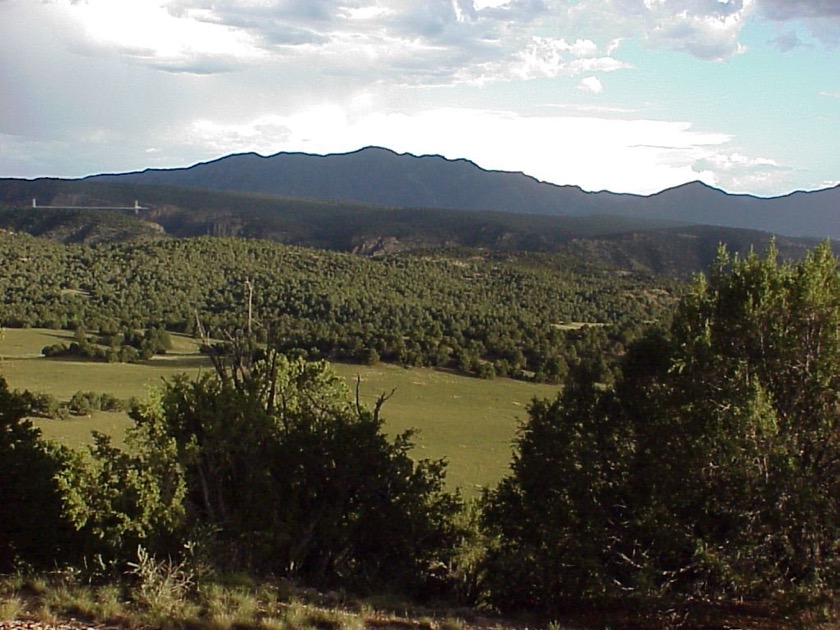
{"x":10,"y":608}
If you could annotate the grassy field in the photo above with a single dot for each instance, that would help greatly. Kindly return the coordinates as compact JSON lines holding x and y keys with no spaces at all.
{"x":468,"y":421}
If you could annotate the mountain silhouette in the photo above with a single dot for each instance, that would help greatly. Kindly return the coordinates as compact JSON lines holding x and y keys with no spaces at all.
{"x":375,"y":175}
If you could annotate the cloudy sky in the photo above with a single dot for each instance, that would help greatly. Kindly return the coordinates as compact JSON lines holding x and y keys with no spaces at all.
{"x":623,"y":95}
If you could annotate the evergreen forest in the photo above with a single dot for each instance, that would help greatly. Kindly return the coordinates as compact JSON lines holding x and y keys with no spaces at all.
{"x":688,"y":467}
{"x":521,"y":315}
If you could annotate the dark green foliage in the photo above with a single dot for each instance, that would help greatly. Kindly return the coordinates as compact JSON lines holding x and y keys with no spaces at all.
{"x":32,"y":529}
{"x":82,"y":347}
{"x":300,"y":481}
{"x":84,"y":403}
{"x":551,"y":520}
{"x":288,"y":475}
{"x":759,"y":346}
{"x":480,"y":314}
{"x":79,"y":226}
{"x":125,"y":347}
{"x":119,"y":499}
{"x":56,"y":350}
{"x":43,"y":405}
{"x":80,"y":404}
{"x":710,"y":469}
{"x":153,"y":341}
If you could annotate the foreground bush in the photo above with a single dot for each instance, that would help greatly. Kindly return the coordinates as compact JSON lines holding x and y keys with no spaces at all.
{"x":709,"y":471}
{"x":272,"y":468}
{"x":33,"y":529}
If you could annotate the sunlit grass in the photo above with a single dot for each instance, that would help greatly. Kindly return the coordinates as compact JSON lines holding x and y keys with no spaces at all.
{"x":468,"y":421}
{"x":24,"y":368}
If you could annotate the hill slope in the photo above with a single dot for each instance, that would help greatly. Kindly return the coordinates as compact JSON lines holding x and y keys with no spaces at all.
{"x":80,"y":226}
{"x":347,"y":226}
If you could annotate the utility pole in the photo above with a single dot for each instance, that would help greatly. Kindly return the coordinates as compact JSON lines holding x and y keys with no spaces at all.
{"x":204,"y":338}
{"x":250,"y":288}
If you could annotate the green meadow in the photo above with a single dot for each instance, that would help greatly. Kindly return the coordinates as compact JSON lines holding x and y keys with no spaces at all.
{"x":468,"y":421}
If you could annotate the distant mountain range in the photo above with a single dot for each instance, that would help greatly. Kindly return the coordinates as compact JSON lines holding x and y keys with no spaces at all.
{"x":375,"y":202}
{"x":382,"y":177}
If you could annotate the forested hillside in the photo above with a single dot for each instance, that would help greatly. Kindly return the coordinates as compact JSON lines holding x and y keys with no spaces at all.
{"x":80,"y":226}
{"x":513,"y":315}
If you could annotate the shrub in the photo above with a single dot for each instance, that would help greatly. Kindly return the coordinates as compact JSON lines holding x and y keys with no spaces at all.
{"x":290,"y":475}
{"x":32,"y":529}
{"x":708,"y":468}
{"x":84,"y":403}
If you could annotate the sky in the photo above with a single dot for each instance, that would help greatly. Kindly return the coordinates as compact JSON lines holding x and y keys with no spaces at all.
{"x":623,"y":95}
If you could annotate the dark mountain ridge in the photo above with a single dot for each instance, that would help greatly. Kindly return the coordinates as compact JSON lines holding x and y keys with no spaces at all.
{"x":373,"y":175}
{"x":379,"y":176}
{"x":594,"y":241}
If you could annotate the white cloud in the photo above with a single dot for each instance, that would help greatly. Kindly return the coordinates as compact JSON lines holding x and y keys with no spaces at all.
{"x":439,"y":42}
{"x":624,"y":155}
{"x":547,"y":57}
{"x":708,"y":29}
{"x":736,"y":172}
{"x":211,"y":137}
{"x":704,"y":35}
{"x":436,"y":42}
{"x":820,"y":17}
{"x":147,"y":33}
{"x":591,"y":85}
{"x":613,"y":151}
